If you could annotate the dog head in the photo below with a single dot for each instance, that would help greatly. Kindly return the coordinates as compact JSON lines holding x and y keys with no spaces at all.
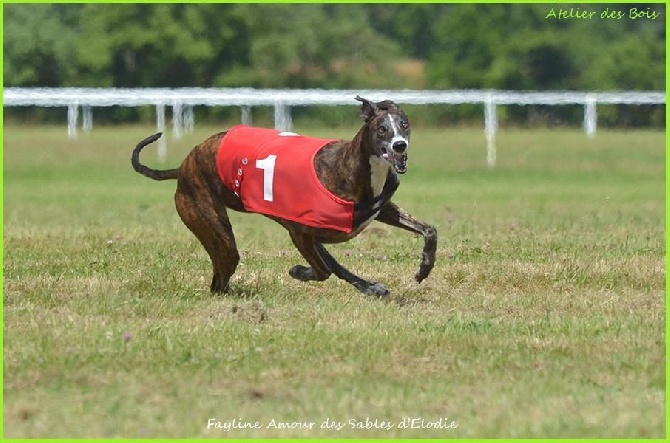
{"x":389,"y":131}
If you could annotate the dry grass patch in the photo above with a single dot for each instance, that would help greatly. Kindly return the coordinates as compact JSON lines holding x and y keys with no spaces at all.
{"x":544,"y":316}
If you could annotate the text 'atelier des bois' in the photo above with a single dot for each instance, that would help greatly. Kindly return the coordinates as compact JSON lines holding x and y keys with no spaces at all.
{"x":604,"y":14}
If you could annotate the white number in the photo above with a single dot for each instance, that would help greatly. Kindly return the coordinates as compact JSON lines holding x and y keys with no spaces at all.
{"x":268,"y":167}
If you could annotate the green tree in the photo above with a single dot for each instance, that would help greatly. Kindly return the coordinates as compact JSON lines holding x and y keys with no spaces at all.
{"x":410,"y":25}
{"x":39,"y":44}
{"x":130,"y":45}
{"x":314,"y":45}
{"x":502,"y":46}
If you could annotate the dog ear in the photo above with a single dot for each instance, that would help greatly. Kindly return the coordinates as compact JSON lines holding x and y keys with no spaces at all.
{"x":368,"y":109}
{"x":387,"y":105}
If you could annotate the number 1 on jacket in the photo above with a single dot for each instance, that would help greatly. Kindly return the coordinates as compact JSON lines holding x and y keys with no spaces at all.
{"x":268,"y":166}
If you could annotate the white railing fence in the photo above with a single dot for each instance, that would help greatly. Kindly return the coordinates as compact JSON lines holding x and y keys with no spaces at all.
{"x":182,"y":101}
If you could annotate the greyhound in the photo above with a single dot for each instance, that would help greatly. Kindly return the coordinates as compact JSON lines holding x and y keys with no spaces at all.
{"x":352,"y":183}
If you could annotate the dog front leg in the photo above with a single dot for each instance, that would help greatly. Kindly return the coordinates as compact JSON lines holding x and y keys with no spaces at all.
{"x":340,"y":271}
{"x":393,"y":215}
{"x":318,"y":270}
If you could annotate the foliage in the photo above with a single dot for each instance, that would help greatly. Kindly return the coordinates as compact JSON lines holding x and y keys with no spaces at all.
{"x":502,"y":46}
{"x":39,"y":44}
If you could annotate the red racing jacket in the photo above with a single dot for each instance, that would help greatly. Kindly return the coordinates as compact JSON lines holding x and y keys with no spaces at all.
{"x":273,"y":174}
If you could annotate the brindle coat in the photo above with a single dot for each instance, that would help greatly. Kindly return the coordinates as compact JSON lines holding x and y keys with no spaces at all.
{"x":354,"y":170}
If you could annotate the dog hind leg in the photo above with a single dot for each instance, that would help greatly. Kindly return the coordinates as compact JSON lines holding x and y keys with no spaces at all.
{"x":366,"y":287}
{"x":208,"y":220}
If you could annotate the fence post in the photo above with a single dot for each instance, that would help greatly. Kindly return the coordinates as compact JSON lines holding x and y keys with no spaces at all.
{"x":283,"y":120}
{"x":177,"y":119}
{"x":160,"y":127}
{"x":246,"y":115}
{"x":87,"y":123}
{"x":189,"y":118}
{"x":72,"y":117}
{"x":490,"y":126}
{"x":590,"y":116}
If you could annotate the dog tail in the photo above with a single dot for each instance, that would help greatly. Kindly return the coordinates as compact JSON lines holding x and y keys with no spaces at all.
{"x":155,"y":174}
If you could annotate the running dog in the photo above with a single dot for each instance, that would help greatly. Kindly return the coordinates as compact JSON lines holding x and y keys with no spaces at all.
{"x":321,"y":190}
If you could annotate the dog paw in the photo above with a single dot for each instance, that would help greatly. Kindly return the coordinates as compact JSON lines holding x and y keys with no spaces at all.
{"x":423,"y":273}
{"x":375,"y":289}
{"x":302,"y":273}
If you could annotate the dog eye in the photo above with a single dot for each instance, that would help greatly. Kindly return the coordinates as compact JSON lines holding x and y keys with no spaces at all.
{"x":404,"y":124}
{"x":381,"y":129}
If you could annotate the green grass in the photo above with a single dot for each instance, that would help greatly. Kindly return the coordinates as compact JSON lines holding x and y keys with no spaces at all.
{"x":544,"y":316}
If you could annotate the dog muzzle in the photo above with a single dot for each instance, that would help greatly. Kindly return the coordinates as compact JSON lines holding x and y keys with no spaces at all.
{"x":397,"y":156}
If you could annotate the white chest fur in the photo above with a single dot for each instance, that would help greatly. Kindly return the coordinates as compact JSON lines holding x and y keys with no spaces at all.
{"x":379,"y":169}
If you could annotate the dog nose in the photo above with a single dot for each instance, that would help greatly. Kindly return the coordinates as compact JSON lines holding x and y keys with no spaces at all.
{"x":400,"y":146}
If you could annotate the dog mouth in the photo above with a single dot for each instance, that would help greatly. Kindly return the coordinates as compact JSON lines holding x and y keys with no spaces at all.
{"x":398,"y":160}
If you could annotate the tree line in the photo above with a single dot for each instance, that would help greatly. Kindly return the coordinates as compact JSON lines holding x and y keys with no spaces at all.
{"x":442,"y":46}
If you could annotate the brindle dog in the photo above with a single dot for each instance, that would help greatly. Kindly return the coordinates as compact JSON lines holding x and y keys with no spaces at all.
{"x":363,"y":170}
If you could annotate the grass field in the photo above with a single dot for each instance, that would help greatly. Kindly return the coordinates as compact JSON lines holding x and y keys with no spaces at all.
{"x":544,"y":316}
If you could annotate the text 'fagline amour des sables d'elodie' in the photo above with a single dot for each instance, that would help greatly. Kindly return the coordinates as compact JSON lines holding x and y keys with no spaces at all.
{"x":337,"y":425}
